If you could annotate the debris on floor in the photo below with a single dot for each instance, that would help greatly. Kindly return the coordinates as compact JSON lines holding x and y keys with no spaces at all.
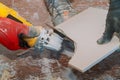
{"x":42,"y":69}
{"x":34,"y":69}
{"x":81,"y":5}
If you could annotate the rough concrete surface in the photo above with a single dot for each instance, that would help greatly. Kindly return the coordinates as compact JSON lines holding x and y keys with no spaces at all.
{"x":28,"y":68}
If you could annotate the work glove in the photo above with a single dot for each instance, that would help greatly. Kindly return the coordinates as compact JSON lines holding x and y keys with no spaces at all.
{"x":14,"y":35}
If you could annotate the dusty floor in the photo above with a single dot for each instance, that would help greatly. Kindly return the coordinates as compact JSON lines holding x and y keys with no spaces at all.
{"x":108,"y":69}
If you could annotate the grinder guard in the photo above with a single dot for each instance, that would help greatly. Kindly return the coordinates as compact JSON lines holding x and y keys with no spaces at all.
{"x":52,"y":39}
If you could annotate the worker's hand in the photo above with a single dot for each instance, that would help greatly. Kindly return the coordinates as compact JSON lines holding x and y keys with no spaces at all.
{"x":32,"y":37}
{"x":13,"y":35}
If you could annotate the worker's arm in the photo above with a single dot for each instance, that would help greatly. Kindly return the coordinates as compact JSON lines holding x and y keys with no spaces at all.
{"x":14,"y":35}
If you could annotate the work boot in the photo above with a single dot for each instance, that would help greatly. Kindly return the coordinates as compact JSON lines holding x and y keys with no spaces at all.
{"x":104,"y":39}
{"x":60,"y":10}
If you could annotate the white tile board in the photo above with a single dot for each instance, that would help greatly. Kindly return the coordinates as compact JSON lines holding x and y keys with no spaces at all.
{"x":85,"y":28}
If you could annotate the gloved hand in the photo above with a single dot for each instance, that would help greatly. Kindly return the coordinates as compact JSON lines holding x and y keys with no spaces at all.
{"x":14,"y":35}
